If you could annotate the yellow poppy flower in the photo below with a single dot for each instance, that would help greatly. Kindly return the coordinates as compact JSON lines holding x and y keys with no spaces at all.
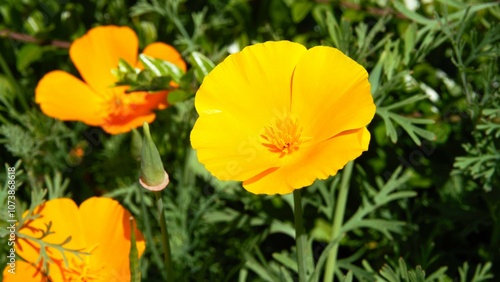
{"x":94,"y":101}
{"x":99,"y":227}
{"x":278,"y":116}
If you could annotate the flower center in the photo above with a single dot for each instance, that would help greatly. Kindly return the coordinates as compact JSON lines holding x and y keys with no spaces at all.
{"x":79,"y":270}
{"x":282,"y":135}
{"x":121,"y":104}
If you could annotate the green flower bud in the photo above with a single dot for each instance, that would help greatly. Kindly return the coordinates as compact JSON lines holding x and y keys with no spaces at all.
{"x":153,"y":175}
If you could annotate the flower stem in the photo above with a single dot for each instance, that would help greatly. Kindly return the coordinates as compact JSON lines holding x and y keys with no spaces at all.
{"x":165,"y":240}
{"x":300,"y":235}
{"x":149,"y":234}
{"x":331,"y":262}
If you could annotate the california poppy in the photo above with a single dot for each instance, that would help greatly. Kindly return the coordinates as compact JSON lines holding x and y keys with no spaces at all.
{"x":99,"y":230}
{"x":278,"y":116}
{"x":94,"y":100}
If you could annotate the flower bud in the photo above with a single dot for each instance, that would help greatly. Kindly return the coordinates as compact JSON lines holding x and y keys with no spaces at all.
{"x":153,"y":175}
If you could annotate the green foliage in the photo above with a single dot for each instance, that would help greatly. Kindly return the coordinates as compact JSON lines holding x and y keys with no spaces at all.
{"x":426,"y":193}
{"x":482,"y":273}
{"x":403,"y":274}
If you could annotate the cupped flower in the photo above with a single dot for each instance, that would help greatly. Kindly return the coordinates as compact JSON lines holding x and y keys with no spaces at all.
{"x":278,"y":116}
{"x":99,"y":229}
{"x":95,"y":101}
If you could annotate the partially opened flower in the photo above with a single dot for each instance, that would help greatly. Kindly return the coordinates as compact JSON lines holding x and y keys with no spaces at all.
{"x":278,"y":116}
{"x":95,"y":101}
{"x":99,"y":229}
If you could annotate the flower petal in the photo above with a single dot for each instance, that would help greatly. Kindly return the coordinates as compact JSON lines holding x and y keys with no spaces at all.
{"x":107,"y":229}
{"x":236,"y":101}
{"x":97,"y":52}
{"x":330,"y":93}
{"x":164,"y":52}
{"x":23,"y":272}
{"x":227,"y":150}
{"x":120,"y":125}
{"x":62,"y":216}
{"x":247,"y":87}
{"x":318,"y":161}
{"x":128,"y":111}
{"x":65,"y":97}
{"x":26,"y":271}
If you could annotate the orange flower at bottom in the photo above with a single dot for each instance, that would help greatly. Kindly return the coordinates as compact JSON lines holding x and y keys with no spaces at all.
{"x":99,"y":227}
{"x":94,"y":100}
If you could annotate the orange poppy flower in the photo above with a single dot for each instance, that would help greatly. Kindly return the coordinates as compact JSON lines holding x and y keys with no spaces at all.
{"x":278,"y":116}
{"x":94,"y":100}
{"x":100,"y":227}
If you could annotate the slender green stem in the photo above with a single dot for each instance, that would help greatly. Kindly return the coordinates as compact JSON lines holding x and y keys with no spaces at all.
{"x":331,"y":262}
{"x":300,"y":235}
{"x":164,"y":236}
{"x":149,"y":233}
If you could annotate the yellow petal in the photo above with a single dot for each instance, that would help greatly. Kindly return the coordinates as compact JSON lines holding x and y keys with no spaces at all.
{"x":248,"y":87}
{"x":317,"y":161}
{"x":330,"y":93}
{"x":227,"y":150}
{"x":97,"y":52}
{"x":236,"y":101}
{"x":65,"y":97}
{"x":107,"y":231}
{"x":271,"y":181}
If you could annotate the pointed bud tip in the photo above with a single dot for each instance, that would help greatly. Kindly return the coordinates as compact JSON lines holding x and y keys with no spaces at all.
{"x":145,"y":129}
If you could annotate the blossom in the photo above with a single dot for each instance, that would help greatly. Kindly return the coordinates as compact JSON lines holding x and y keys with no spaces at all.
{"x":278,"y":116}
{"x":94,"y":100}
{"x":100,"y":228}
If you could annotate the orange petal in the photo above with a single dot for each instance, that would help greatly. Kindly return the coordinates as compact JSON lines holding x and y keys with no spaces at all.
{"x":164,"y":52}
{"x":65,"y":97}
{"x":107,"y":230}
{"x":120,"y":125}
{"x":62,"y":216}
{"x":26,"y":271}
{"x":23,"y":272}
{"x":128,"y":111}
{"x":97,"y":52}
{"x":330,"y":93}
{"x":318,"y":161}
